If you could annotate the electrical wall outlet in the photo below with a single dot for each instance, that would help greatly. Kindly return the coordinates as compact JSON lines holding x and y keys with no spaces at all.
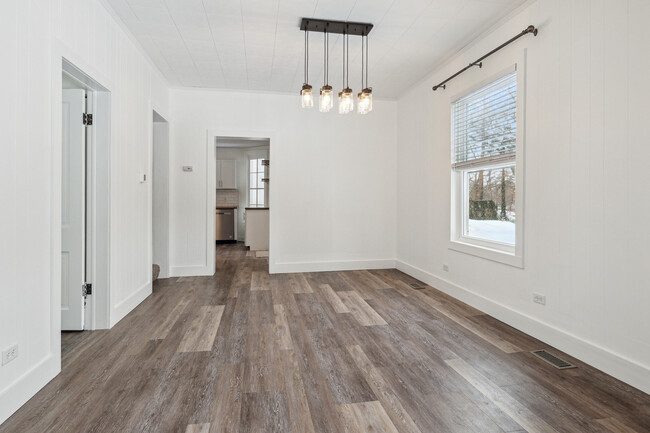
{"x":539,"y":299}
{"x":10,"y":354}
{"x":445,"y":267}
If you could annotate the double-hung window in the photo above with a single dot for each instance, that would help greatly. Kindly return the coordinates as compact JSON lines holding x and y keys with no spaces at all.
{"x":256,"y":184}
{"x":485,"y":211}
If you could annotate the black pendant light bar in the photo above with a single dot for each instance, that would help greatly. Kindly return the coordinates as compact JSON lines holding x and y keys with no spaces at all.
{"x":478,"y":62}
{"x":340,"y":27}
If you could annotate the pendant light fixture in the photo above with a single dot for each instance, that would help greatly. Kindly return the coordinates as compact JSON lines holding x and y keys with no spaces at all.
{"x":346,"y":96}
{"x":326,"y":101}
{"x":305,"y":93}
{"x":365,"y":97}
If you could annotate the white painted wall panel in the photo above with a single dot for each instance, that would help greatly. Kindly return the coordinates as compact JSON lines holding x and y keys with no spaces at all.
{"x":332,"y":178}
{"x":586,"y":182}
{"x":31,"y":33}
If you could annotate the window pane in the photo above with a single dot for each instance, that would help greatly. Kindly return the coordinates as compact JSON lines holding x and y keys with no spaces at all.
{"x":490,"y":206}
{"x":253,"y":165}
{"x":260,"y":197}
{"x":253,"y":197}
{"x":260,"y":184}
{"x":485,"y":122}
{"x":253,"y":183}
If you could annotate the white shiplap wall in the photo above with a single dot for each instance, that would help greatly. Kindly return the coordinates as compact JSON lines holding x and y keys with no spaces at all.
{"x":586,"y":181}
{"x":33,"y":36}
{"x":332,"y":188}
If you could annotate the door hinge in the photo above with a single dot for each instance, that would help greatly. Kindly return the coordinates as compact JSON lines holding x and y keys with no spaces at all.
{"x":88,"y":119}
{"x":86,"y":289}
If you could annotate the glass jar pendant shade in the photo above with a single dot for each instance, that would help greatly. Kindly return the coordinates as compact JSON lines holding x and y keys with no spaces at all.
{"x":346,"y":96}
{"x":365,"y":97}
{"x":346,"y":101}
{"x":326,"y":101}
{"x":306,"y":96}
{"x":365,"y":101}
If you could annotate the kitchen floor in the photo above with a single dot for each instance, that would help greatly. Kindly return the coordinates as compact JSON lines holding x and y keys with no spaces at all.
{"x":356,"y":351}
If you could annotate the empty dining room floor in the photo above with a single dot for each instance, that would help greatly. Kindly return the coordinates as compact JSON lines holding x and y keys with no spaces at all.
{"x":354,"y":351}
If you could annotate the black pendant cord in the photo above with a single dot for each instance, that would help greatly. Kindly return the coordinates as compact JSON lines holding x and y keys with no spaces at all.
{"x":326,"y":58}
{"x":343,"y":57}
{"x":347,"y":61}
{"x":306,"y":57}
{"x":478,"y":62}
{"x":363,"y":60}
{"x":367,"y":63}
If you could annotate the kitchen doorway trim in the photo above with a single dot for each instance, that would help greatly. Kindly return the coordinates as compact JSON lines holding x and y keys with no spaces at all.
{"x":211,"y":186}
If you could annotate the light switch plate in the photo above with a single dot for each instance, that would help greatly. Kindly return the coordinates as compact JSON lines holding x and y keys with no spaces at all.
{"x":188,"y":168}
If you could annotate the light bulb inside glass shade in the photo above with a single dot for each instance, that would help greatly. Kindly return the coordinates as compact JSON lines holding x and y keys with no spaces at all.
{"x":306,"y":97}
{"x":346,"y":101}
{"x":365,"y":101}
{"x":326,"y":101}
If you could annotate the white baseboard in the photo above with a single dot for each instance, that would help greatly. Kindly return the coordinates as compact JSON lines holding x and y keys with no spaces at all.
{"x":191,"y":271}
{"x":164,"y":272}
{"x":24,"y":387}
{"x":622,"y":368}
{"x":126,"y":306}
{"x":323,"y":266}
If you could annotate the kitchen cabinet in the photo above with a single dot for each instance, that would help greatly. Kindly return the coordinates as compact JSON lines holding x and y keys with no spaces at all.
{"x":257,"y":229}
{"x":226,"y":174}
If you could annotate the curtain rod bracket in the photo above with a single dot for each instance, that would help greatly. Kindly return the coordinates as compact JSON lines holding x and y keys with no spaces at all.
{"x":479,"y":62}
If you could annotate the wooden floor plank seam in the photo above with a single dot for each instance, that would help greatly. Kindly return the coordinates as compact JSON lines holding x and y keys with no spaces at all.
{"x":200,"y":336}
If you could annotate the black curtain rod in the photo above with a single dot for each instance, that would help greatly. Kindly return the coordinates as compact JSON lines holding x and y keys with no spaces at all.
{"x":478,"y":62}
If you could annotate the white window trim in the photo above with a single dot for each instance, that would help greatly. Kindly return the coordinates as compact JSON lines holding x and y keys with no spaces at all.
{"x":494,"y":251}
{"x":250,"y":188}
{"x":255,"y":154}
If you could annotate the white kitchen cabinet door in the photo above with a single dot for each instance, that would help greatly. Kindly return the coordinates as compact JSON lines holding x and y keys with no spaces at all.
{"x":218,"y":174}
{"x":228,"y":174}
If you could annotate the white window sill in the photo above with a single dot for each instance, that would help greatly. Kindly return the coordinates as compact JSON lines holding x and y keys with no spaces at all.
{"x":492,"y":254}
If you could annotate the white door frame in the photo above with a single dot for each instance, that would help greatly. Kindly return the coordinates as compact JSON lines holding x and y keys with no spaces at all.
{"x":98,"y":304}
{"x":211,"y":186}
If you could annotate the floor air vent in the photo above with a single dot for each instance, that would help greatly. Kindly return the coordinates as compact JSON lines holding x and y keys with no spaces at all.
{"x":416,"y":286}
{"x":552,"y":359}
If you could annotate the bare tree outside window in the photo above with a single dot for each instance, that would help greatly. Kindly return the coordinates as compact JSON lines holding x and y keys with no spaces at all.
{"x":485,"y":131}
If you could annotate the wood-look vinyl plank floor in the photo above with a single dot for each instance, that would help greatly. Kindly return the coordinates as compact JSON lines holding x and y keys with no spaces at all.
{"x":332,"y":352}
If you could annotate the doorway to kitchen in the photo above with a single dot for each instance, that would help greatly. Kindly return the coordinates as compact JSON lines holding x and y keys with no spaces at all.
{"x":242,"y":195}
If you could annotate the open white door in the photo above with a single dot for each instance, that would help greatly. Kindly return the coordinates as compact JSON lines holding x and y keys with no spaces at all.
{"x":73,"y":209}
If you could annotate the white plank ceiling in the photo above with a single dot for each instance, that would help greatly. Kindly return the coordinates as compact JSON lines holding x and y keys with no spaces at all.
{"x":257,"y":45}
